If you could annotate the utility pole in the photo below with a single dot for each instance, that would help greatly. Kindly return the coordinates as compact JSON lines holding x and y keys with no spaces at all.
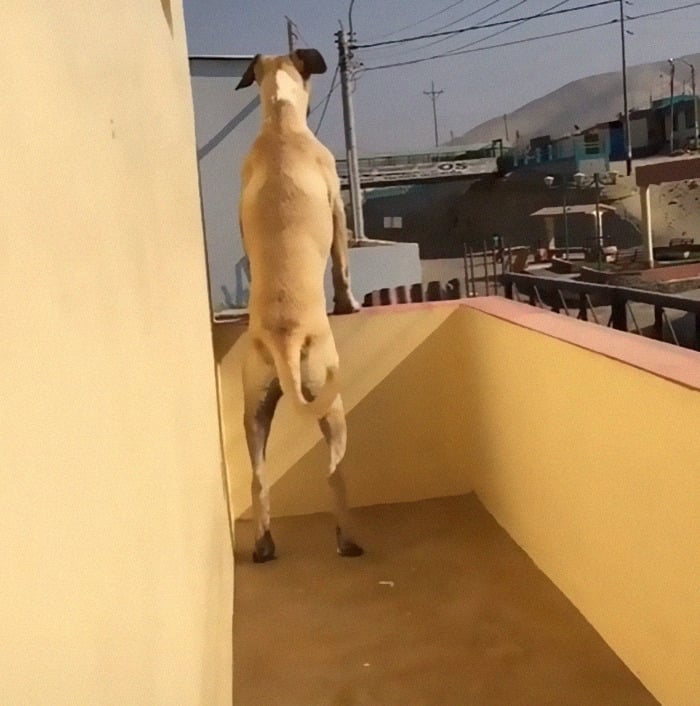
{"x":673,"y":85}
{"x":505,"y":120}
{"x":433,"y":95}
{"x":628,"y":133}
{"x":291,"y":36}
{"x":695,"y":103}
{"x":345,"y":68}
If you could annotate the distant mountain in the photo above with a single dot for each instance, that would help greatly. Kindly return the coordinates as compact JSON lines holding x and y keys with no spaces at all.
{"x":584,"y":102}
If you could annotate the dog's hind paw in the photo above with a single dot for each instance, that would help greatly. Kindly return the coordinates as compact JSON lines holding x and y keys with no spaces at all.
{"x":347,"y":547}
{"x":264,"y":549}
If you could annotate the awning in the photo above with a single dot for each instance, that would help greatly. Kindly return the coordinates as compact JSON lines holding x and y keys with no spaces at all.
{"x":588,"y":208}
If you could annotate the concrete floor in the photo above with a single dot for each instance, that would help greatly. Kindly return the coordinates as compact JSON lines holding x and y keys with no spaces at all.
{"x":444,"y":608}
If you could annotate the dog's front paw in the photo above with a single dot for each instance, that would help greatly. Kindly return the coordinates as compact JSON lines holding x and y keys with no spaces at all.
{"x":345,"y":304}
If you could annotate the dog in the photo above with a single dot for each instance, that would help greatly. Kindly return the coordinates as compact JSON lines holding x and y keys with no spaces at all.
{"x":292,"y":216}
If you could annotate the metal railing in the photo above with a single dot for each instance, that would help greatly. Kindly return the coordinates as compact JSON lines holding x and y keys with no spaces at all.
{"x":549,"y":293}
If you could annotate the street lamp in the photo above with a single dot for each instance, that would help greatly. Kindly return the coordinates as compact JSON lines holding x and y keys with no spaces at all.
{"x":673,"y":75}
{"x":549,"y":183}
{"x":582,"y":181}
{"x":627,"y":131}
{"x":695,"y":102}
{"x":352,"y":2}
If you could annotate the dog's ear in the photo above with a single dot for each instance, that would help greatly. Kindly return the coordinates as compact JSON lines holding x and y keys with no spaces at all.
{"x":311,"y":62}
{"x":249,"y":75}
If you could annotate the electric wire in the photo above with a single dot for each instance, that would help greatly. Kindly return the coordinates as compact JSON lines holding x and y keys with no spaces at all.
{"x":526,"y":39}
{"x":443,"y":36}
{"x":429,"y":17}
{"x":490,"y":46}
{"x":661,"y":12}
{"x":325,"y":101}
{"x":551,"y":9}
{"x":487,"y":25}
{"x":471,"y":14}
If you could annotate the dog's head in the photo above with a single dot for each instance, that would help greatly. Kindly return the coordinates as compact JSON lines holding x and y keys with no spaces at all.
{"x":284,"y":76}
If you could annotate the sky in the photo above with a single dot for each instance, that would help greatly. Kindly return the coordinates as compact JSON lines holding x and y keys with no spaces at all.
{"x":392,"y":113}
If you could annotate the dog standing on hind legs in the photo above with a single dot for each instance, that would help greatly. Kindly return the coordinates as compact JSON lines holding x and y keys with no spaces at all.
{"x":292,"y":217}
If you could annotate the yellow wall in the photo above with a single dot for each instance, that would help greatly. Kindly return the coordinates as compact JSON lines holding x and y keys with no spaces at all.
{"x":590,"y":464}
{"x":116,"y":583}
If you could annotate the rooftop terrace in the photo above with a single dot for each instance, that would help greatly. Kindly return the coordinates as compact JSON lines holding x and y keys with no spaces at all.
{"x":576,"y":439}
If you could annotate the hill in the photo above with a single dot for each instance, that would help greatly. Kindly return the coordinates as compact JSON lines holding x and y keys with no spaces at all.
{"x":583,"y":102}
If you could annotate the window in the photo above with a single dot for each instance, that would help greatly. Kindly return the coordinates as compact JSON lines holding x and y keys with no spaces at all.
{"x":393,"y":222}
{"x":591,"y":143}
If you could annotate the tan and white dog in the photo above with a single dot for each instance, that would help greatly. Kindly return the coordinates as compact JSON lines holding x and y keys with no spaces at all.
{"x":292,"y":217}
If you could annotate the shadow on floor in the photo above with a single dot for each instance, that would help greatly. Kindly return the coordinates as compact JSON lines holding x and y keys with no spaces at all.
{"x":443,"y":609}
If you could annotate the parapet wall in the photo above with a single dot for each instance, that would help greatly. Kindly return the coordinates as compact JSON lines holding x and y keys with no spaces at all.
{"x":577,"y":438}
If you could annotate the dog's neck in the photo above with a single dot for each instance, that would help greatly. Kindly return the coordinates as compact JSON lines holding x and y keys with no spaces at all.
{"x":284,"y":104}
{"x":283,"y":116}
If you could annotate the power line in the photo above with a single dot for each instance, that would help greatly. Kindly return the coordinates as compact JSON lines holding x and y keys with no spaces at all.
{"x":459,"y":19}
{"x":489,"y":25}
{"x":527,"y":39}
{"x":334,"y":85}
{"x":550,"y":9}
{"x":492,"y":17}
{"x":301,"y":36}
{"x":425,"y":19}
{"x":662,"y":12}
{"x":483,"y":22}
{"x":490,"y":46}
{"x":291,"y":35}
{"x":326,"y":100}
{"x":293,"y":32}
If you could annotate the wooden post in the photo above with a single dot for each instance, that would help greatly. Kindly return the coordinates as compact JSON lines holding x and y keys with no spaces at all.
{"x":619,"y":313}
{"x":417,"y":292}
{"x":508,"y":289}
{"x":452,"y":288}
{"x":556,"y":305}
{"x":659,"y":323}
{"x":495,"y":270}
{"x":434,"y":292}
{"x":486,"y":269}
{"x":471,"y":271}
{"x":582,"y":307}
{"x":467,"y":288}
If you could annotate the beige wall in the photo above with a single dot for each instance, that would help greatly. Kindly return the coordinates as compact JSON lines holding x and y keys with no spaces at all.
{"x":588,"y":461}
{"x":371,"y":347}
{"x":116,"y":581}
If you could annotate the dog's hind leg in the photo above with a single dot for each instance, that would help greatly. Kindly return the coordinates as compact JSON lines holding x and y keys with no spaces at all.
{"x":335,"y":432}
{"x":262,"y":393}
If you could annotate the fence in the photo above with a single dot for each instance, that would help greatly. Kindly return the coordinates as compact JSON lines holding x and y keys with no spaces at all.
{"x":549,"y":292}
